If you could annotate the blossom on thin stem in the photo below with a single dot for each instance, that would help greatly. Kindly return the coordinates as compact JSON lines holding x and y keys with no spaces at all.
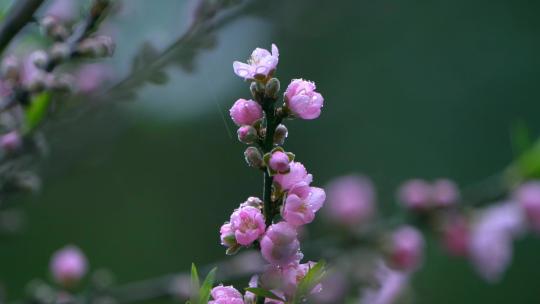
{"x":260,"y":65}
{"x":302,"y":100}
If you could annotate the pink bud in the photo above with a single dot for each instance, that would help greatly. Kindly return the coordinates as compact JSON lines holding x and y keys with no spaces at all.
{"x":247,"y":134}
{"x":302,"y":99}
{"x":301,"y":204}
{"x":279,"y":245}
{"x":245,"y":112}
{"x":227,"y":236}
{"x":455,"y":236}
{"x":528,"y":196}
{"x":415,"y":194}
{"x":297,"y":174}
{"x":11,"y":141}
{"x":68,"y":265}
{"x":279,"y":162}
{"x":63,"y":10}
{"x":406,"y":249}
{"x":262,"y":64}
{"x":226,"y":295}
{"x":351,"y":200}
{"x":248,"y":224}
{"x":444,"y":193}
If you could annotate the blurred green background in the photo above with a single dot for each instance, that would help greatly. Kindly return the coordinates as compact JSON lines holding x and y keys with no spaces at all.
{"x":412,"y":89}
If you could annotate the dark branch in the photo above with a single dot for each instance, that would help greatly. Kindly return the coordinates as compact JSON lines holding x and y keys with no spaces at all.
{"x":18,"y":16}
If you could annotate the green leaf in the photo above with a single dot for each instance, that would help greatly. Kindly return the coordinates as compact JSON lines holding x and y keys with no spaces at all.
{"x":36,"y":111}
{"x":313,"y":277}
{"x":261,"y":292}
{"x":204,"y":292}
{"x":195,"y":284}
{"x":520,"y":138}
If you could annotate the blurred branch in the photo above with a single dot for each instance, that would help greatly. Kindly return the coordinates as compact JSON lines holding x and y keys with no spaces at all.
{"x":208,"y":17}
{"x":85,"y":27}
{"x":18,"y":16}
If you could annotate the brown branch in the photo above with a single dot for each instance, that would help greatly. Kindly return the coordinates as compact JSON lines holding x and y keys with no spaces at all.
{"x":18,"y":16}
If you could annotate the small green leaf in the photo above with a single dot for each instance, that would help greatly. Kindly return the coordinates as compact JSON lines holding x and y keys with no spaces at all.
{"x":204,"y":292}
{"x":261,"y":292}
{"x":36,"y":111}
{"x":195,"y":284}
{"x":520,"y":138}
{"x":313,"y":277}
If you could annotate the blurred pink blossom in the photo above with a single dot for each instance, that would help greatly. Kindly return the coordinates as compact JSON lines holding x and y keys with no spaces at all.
{"x":351,"y":200}
{"x":407,"y":248}
{"x":492,"y":234}
{"x":455,"y":235}
{"x":280,"y":245}
{"x":90,"y":77}
{"x":391,"y":285}
{"x":528,"y":196}
{"x":68,"y":265}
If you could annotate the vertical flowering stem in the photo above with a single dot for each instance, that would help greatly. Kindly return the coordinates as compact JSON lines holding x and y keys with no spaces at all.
{"x":272,"y":121}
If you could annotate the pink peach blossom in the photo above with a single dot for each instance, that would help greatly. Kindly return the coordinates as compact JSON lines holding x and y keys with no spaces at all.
{"x":280,"y":245}
{"x":297,"y":174}
{"x":226,"y":295}
{"x":302,"y":99}
{"x":245,"y":112}
{"x":248,"y":224}
{"x":261,"y":64}
{"x":301,"y":204}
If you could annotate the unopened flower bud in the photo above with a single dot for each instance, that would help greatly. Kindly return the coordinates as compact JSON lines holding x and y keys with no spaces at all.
{"x":11,"y":141}
{"x":27,"y":181}
{"x":280,"y":135}
{"x":272,"y":88}
{"x":63,"y":82}
{"x":245,"y":112}
{"x":39,"y":58}
{"x":68,"y":265}
{"x":253,"y":157}
{"x":256,"y":89}
{"x":60,"y":51}
{"x":10,"y":67}
{"x":228,"y":239}
{"x":279,"y":162}
{"x":37,"y":83}
{"x":247,"y":134}
{"x":253,"y":202}
{"x":47,"y":24}
{"x":406,"y":249}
